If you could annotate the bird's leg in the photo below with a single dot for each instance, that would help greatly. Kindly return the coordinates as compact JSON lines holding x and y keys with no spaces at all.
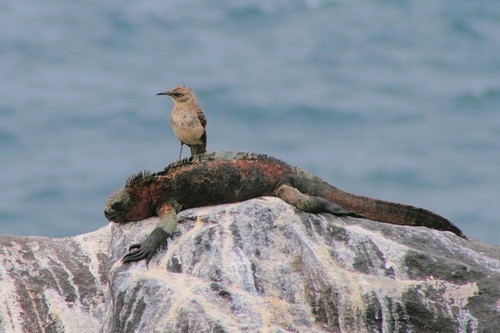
{"x":180,"y":154}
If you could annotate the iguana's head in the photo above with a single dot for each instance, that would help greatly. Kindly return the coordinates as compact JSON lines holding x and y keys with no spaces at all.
{"x":131,"y":203}
{"x":123,"y":206}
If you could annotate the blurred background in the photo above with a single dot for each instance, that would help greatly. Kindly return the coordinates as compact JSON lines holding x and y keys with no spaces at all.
{"x":399,"y":100}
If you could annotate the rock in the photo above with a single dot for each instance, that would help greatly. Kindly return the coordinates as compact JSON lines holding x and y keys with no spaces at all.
{"x":53,"y":284}
{"x":263,"y":266}
{"x":255,"y":266}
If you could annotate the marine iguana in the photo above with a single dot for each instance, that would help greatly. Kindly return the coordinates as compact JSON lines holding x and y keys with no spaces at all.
{"x":226,"y":177}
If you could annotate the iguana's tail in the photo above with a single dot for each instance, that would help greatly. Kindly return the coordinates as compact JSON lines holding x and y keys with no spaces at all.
{"x":378,"y":210}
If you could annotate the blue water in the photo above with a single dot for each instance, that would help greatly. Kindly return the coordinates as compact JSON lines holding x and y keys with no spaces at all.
{"x":398,"y":100}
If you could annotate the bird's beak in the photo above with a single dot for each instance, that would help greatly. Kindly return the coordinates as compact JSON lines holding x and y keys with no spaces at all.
{"x":168,"y":93}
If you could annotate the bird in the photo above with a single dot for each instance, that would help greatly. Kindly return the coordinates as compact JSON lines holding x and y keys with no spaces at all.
{"x":188,"y":120}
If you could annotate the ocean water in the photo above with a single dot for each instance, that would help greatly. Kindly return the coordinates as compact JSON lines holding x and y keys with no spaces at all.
{"x":395,"y":99}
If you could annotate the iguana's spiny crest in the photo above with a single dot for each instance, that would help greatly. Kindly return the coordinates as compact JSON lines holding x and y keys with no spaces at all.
{"x":146,"y":175}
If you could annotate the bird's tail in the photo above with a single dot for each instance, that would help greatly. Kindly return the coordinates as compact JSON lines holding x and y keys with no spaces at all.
{"x":197,"y":149}
{"x":200,"y":148}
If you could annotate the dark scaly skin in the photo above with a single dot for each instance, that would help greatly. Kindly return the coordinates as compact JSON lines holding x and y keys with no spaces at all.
{"x":226,"y":177}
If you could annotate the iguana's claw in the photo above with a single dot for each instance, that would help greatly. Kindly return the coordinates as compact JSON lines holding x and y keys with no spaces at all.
{"x":134,"y":246}
{"x":147,"y":249}
{"x":135,"y":255}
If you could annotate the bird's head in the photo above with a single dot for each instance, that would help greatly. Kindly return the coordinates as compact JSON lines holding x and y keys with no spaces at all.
{"x":180,"y":94}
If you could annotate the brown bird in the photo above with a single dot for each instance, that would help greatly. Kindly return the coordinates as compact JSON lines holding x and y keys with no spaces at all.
{"x":188,"y":120}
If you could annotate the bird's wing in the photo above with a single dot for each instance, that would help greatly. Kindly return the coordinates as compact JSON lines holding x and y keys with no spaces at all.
{"x":201,"y":116}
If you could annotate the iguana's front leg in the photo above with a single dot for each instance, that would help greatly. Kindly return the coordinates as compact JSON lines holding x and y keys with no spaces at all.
{"x":309,"y":203}
{"x":146,"y":250}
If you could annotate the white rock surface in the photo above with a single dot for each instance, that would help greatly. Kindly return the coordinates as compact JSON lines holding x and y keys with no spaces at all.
{"x":255,"y":266}
{"x":53,"y":284}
